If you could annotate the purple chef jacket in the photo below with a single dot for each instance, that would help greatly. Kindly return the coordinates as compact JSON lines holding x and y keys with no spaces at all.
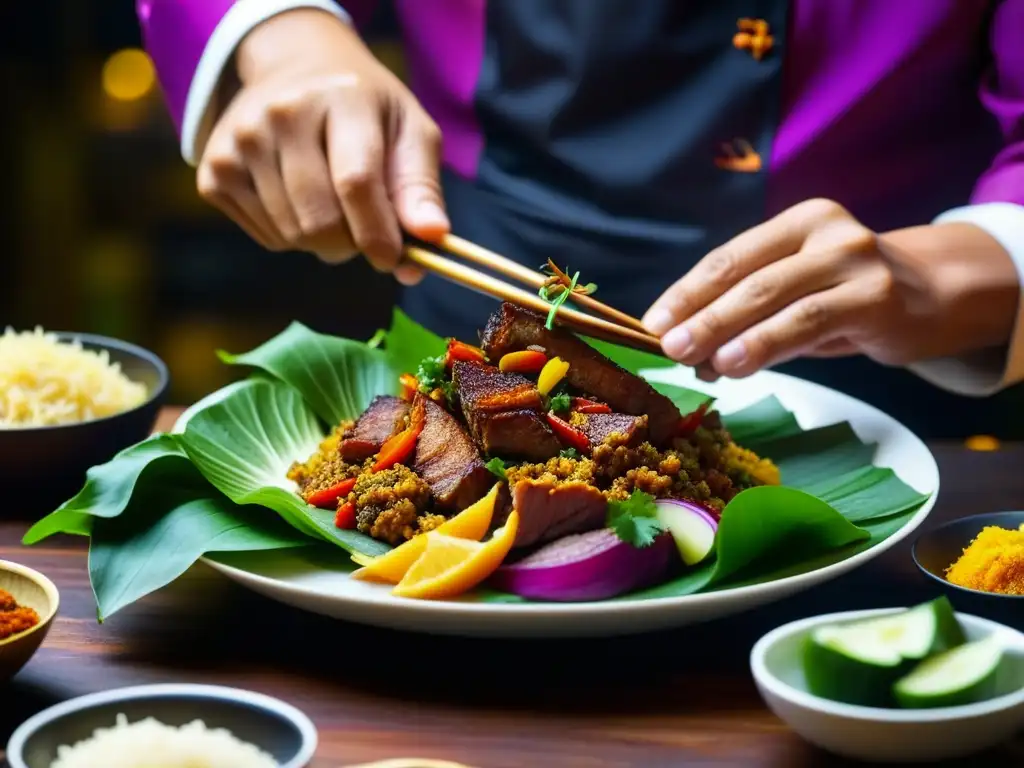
{"x":600,"y":132}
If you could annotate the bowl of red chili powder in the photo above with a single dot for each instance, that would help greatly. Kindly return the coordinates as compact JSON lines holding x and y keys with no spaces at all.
{"x":28,"y":605}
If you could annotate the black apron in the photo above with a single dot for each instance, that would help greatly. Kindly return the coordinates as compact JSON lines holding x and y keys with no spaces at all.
{"x":601,"y":120}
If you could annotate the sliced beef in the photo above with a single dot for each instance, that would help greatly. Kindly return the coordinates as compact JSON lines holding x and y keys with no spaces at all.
{"x":548,"y":511}
{"x":448,"y":461}
{"x":598,"y":426}
{"x":503,"y":411}
{"x":385,"y":417}
{"x":512,"y":328}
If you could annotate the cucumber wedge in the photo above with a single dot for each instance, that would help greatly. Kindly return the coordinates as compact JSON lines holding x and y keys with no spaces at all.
{"x":859,"y":662}
{"x":962,"y":675}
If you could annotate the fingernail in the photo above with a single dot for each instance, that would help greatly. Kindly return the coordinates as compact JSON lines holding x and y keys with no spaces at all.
{"x":677,"y":342}
{"x":731,"y":355}
{"x":430,"y":212}
{"x":658,"y":321}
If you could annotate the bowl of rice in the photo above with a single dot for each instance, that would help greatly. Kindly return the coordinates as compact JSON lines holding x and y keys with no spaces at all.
{"x":69,"y":401}
{"x":166,"y":726}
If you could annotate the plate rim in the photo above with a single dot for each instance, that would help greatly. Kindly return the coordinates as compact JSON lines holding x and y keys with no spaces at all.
{"x":469,"y":608}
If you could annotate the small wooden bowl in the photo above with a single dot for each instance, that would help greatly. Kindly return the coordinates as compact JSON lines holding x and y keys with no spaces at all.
{"x":32,"y":590}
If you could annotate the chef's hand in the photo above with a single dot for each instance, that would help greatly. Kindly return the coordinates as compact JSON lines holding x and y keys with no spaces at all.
{"x":322,"y":149}
{"x":813,"y":281}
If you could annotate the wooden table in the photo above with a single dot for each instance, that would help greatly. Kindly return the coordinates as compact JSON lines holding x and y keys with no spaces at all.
{"x":677,"y":698}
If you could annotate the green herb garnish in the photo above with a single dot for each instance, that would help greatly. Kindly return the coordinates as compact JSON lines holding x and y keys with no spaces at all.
{"x":432,"y":375}
{"x":497,"y":468}
{"x":558,"y":300}
{"x":633,"y":520}
{"x":561,"y":402}
{"x":377,"y":339}
{"x":569,"y":453}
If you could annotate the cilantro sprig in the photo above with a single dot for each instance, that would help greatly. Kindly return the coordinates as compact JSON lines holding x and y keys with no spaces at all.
{"x":560,"y":402}
{"x":432,"y":375}
{"x":497,"y":467}
{"x":633,"y":519}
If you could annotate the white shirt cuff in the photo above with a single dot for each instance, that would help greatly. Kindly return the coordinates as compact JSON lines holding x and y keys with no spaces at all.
{"x":240,"y":19}
{"x":987,"y":372}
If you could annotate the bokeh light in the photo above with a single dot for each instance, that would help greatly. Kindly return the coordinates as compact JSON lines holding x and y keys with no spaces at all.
{"x":128,"y":75}
{"x":982,"y":443}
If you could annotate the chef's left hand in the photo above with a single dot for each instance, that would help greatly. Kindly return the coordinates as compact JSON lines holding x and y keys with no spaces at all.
{"x":814,"y":281}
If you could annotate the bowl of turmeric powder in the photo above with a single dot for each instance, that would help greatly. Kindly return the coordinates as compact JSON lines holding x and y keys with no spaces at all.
{"x":979,"y":560}
{"x":28,"y":605}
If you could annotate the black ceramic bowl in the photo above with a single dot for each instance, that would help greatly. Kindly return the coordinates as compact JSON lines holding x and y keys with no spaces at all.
{"x":935,"y":550}
{"x":276,"y":728}
{"x":45,"y":466}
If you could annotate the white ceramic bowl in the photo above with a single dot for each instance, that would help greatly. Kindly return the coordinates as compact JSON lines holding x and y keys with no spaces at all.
{"x":272,"y":725}
{"x":877,"y":734}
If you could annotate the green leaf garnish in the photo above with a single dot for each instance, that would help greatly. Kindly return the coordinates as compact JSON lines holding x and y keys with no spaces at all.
{"x":377,"y":339}
{"x":633,"y":520}
{"x":561,"y":402}
{"x":497,"y":468}
{"x":569,"y":453}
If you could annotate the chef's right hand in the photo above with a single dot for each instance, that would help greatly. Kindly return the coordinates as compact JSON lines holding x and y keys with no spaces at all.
{"x":322,"y":149}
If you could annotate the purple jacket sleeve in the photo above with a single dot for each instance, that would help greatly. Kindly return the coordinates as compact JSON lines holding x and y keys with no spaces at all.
{"x":175,"y":33}
{"x":1003,"y":95}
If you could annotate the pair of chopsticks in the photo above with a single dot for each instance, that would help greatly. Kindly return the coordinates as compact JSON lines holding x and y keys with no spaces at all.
{"x":613,"y":325}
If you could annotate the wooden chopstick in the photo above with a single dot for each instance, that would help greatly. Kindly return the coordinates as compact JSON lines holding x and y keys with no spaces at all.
{"x":492,"y":286}
{"x":505,"y":266}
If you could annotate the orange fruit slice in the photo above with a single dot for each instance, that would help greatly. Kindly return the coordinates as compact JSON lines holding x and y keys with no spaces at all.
{"x":471,"y":523}
{"x":449,"y":566}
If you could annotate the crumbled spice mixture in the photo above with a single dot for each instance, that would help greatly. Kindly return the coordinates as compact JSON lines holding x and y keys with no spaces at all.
{"x":303,"y":472}
{"x":709,"y":469}
{"x":993,"y":562}
{"x":389,"y":503}
{"x":558,"y":469}
{"x":14,"y":618}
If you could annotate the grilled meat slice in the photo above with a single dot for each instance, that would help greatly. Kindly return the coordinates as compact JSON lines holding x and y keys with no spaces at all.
{"x":520,"y":434}
{"x":447,"y":459}
{"x":385,"y":417}
{"x":503,"y":411}
{"x":599,"y":426}
{"x":512,"y":328}
{"x":549,"y":510}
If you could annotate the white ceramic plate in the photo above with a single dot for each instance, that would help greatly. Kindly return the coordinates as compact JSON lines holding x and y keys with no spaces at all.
{"x":299,"y":580}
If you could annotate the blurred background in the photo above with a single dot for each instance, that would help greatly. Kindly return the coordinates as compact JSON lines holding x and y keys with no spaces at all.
{"x":104,"y":232}
{"x":103,"y":229}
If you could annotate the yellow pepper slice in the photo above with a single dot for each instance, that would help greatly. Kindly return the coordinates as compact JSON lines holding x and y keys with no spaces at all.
{"x":552,"y":373}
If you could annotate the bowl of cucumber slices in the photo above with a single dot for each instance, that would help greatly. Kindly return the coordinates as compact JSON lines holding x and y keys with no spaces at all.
{"x":915,"y":684}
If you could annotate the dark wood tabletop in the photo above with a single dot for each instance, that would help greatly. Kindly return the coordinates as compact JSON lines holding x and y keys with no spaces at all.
{"x":677,"y":698}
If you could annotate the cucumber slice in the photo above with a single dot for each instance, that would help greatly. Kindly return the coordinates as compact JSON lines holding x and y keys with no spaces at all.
{"x":963,"y":675}
{"x":849,"y":665}
{"x":859,"y":662}
{"x":916,"y":633}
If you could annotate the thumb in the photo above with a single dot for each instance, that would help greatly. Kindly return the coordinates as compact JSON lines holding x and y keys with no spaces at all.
{"x":415,"y":184}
